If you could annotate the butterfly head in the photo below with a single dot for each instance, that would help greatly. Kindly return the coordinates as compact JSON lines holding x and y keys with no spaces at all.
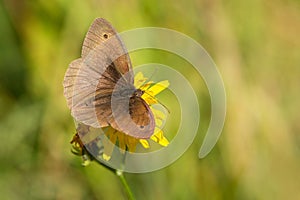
{"x":138,"y":93}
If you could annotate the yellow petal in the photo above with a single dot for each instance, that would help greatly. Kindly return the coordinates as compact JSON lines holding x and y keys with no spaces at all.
{"x":86,"y":162}
{"x":159,"y":138}
{"x":159,"y":117}
{"x":109,"y":143}
{"x":164,"y":142}
{"x":144,"y":143}
{"x":131,"y":143}
{"x":154,"y":138}
{"x":158,"y":133}
{"x":139,"y":80}
{"x":109,"y":131}
{"x":113,"y":138}
{"x":150,"y":92}
{"x":108,"y":149}
{"x":158,"y":87}
{"x":106,"y":157}
{"x":146,"y":86}
{"x":150,"y":100}
{"x":122,"y":142}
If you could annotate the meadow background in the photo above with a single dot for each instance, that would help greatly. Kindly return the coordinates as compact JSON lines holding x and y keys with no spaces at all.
{"x":256,"y":46}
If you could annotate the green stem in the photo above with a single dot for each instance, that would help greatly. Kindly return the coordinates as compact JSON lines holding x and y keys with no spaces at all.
{"x":125,"y":184}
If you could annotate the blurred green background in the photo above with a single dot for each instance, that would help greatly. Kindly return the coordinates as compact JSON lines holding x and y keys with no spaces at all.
{"x":256,"y":46}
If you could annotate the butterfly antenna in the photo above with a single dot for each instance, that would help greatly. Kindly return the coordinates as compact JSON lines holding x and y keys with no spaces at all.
{"x":153,"y":73}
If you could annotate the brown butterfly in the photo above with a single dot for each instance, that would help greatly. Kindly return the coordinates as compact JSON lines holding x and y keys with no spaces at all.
{"x":99,"y":86}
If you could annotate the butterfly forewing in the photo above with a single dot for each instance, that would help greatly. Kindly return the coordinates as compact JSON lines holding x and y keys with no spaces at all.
{"x":98,"y":34}
{"x":99,"y":86}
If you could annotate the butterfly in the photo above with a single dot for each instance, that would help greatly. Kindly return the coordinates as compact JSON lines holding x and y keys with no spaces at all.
{"x":99,"y":86}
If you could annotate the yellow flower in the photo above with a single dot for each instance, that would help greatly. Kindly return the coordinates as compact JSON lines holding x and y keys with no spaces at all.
{"x":151,"y":90}
{"x":129,"y":143}
{"x":124,"y":141}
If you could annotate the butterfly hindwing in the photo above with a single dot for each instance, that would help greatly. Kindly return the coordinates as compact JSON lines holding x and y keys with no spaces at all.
{"x":142,"y":116}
